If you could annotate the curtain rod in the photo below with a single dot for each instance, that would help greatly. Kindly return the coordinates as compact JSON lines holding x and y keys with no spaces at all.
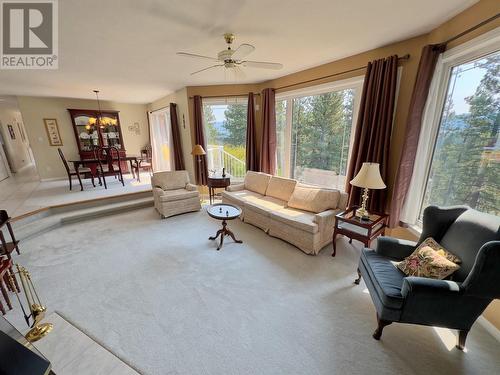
{"x":471,"y":29}
{"x":159,"y":109}
{"x":405,"y":57}
{"x":224,"y":96}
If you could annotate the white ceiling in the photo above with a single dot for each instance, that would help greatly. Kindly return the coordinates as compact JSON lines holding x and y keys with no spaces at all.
{"x":126,"y":48}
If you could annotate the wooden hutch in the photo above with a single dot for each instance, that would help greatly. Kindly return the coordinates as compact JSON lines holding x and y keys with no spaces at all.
{"x":88,"y":133}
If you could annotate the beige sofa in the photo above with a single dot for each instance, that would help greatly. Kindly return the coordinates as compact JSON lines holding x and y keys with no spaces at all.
{"x":173,"y":194}
{"x":300,"y":214}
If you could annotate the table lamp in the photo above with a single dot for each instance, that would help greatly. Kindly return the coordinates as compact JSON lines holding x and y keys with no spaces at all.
{"x":368,"y":177}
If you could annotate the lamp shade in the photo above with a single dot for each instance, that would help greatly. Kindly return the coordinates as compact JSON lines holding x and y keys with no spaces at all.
{"x":198,"y":151}
{"x":369,"y":177}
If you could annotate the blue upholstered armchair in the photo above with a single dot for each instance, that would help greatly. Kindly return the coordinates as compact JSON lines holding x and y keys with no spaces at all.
{"x":469,"y":234}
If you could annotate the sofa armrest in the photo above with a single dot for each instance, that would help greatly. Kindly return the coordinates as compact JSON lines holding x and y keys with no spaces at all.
{"x":394,"y":247}
{"x":236,"y":187}
{"x":414,"y":286}
{"x":191,"y":187}
{"x":325,"y":218}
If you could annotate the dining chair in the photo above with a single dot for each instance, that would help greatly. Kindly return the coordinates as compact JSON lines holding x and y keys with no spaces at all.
{"x":112,"y":162}
{"x":71,"y":172}
{"x":144,"y":162}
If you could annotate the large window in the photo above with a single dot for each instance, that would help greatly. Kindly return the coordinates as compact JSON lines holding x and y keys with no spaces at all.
{"x":314,"y":133}
{"x":225,"y":121}
{"x":465,"y":166}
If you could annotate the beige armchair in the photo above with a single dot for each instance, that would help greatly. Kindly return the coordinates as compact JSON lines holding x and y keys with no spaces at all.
{"x":173,"y":194}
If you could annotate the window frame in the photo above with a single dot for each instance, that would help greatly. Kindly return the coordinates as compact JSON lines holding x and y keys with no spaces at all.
{"x":431,"y":121}
{"x":355,"y":83}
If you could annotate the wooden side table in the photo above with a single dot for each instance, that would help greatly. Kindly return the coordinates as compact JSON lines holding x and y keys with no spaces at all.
{"x":366,"y":231}
{"x":214,"y":182}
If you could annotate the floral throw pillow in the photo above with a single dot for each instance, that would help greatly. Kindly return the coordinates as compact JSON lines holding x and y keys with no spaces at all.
{"x":426,"y":262}
{"x":440,"y":249}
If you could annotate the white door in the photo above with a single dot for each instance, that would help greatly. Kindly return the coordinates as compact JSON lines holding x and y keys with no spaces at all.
{"x":161,"y":139}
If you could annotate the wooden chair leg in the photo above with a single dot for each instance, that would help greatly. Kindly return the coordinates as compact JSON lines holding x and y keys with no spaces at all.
{"x":462,"y":336}
{"x":93,"y":182}
{"x":5,"y":295}
{"x":70,"y":183}
{"x":1,"y":308}
{"x":381,"y":324}
{"x":80,"y":181}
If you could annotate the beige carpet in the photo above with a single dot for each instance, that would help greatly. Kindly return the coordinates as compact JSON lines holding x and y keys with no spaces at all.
{"x":157,"y":294}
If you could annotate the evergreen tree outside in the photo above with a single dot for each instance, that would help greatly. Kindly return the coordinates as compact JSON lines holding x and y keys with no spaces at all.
{"x":466,"y":163}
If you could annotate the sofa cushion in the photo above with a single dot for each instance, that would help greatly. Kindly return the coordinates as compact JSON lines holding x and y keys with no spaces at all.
{"x":296,"y":218}
{"x":257,"y":182}
{"x":281,"y":188}
{"x":313,"y":199}
{"x":387,"y":280}
{"x":177,"y":194}
{"x":240,"y":196}
{"x":264,"y":205}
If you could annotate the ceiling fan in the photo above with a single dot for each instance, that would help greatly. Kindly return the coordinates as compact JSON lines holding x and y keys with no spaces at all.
{"x":232,"y":58}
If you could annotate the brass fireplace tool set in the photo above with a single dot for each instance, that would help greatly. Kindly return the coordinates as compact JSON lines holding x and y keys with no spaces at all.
{"x":36,"y":311}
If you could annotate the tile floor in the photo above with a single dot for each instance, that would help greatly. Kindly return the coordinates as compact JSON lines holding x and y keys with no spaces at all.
{"x":24,"y":192}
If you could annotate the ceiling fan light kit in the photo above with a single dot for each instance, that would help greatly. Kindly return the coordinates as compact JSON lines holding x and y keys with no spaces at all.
{"x":232,"y":58}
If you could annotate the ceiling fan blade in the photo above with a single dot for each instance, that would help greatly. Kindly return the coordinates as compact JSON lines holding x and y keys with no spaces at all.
{"x":192,"y":55}
{"x":242,"y":51}
{"x":262,"y":65}
{"x":210,"y":67}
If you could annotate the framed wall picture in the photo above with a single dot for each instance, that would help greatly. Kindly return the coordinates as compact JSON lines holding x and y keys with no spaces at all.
{"x":53,"y":131}
{"x":11,"y":131}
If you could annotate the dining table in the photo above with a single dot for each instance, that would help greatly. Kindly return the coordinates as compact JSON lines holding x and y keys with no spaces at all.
{"x":131,"y":159}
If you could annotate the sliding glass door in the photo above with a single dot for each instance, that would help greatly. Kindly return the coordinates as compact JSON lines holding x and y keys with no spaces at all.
{"x":225,"y":121}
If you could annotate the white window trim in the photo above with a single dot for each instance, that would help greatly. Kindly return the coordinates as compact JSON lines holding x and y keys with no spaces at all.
{"x":485,"y":44}
{"x":350,"y":83}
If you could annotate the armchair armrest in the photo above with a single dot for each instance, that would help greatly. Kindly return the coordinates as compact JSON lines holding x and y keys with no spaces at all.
{"x":394,"y":247}
{"x":236,"y":187}
{"x":484,"y":279}
{"x":157,"y":191}
{"x":191,"y":187}
{"x":413,"y":286}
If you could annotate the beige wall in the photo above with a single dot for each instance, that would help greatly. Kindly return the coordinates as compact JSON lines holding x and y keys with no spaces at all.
{"x":35,"y":109}
{"x":17,"y":149}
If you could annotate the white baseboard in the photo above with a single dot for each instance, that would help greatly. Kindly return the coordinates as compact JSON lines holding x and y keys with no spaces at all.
{"x":494,"y":331}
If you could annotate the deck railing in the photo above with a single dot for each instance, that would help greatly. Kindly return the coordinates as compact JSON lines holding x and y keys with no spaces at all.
{"x":218,"y":158}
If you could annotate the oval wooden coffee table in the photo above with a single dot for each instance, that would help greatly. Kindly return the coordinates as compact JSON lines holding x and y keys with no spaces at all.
{"x":224,"y":212}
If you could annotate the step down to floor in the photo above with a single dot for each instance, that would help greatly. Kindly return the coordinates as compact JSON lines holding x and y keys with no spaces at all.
{"x":51,"y":218}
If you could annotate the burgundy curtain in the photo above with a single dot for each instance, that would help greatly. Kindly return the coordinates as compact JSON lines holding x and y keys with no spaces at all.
{"x":268,"y":146}
{"x":200,"y":166}
{"x":176,"y":138}
{"x":252,"y":163}
{"x":426,"y":66}
{"x":373,"y":129}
